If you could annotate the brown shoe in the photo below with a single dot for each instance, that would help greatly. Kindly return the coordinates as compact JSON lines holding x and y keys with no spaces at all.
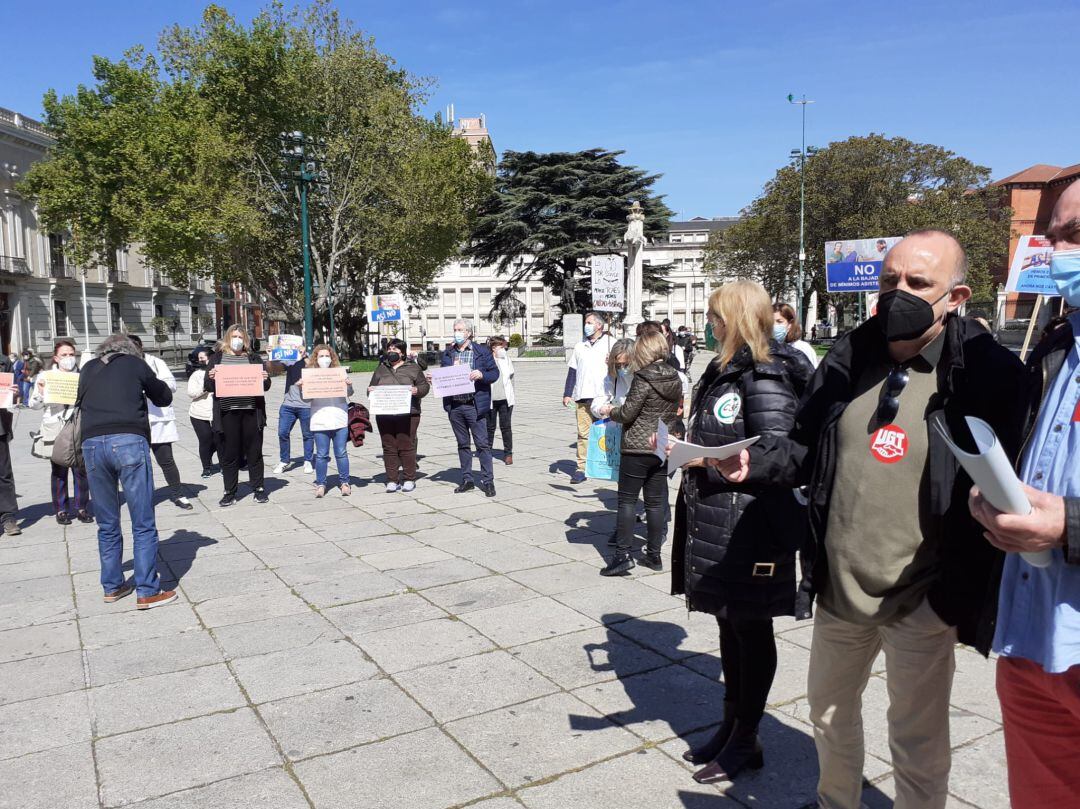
{"x":162,"y":598}
{"x":509,"y":459}
{"x":116,"y":595}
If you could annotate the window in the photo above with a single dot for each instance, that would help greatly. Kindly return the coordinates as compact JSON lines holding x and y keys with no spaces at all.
{"x":676,"y":238}
{"x":60,"y":318}
{"x":116,"y":321}
{"x":196,"y":328}
{"x":56,"y":252}
{"x":159,"y":310}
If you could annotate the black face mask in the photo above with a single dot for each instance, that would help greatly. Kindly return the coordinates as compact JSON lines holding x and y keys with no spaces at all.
{"x":904,"y":316}
{"x":392,"y":357}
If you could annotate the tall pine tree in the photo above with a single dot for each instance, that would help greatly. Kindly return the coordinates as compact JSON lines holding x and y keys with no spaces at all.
{"x":560,"y":208}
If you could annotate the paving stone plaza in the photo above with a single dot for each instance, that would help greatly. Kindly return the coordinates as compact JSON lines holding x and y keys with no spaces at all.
{"x":416,"y":651}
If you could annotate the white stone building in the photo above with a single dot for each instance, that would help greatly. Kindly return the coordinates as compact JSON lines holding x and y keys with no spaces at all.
{"x":41,"y":294}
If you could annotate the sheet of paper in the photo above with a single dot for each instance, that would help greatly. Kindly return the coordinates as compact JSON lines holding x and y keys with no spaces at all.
{"x":238,"y":380}
{"x":6,"y":393}
{"x":682,"y":452}
{"x":61,"y":387}
{"x":453,"y":380}
{"x":991,"y":471}
{"x":390,"y":400}
{"x":662,"y":439}
{"x":323,"y":383}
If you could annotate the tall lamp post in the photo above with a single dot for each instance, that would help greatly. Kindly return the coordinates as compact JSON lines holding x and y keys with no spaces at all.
{"x":304,"y":152}
{"x":801,"y":156}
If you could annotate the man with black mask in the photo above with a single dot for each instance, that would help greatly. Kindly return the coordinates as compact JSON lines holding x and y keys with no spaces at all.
{"x":901,"y":564}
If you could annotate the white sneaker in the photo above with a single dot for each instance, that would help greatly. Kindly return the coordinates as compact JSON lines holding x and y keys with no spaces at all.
{"x":280,"y":468}
{"x":308,"y":468}
{"x":408,"y":486}
{"x":391,"y":487}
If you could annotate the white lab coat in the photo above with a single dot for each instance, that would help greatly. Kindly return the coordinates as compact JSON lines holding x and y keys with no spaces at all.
{"x":162,"y":419}
{"x":506,"y":377}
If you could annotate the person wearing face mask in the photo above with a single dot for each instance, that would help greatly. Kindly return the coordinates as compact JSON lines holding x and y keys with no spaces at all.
{"x":1038,"y":627}
{"x":901,"y":565}
{"x":329,"y":425}
{"x":398,"y":432}
{"x":53,"y":418}
{"x":238,"y":420}
{"x":502,"y":398}
{"x":294,"y":408}
{"x":201,"y":413}
{"x":585,"y":382}
{"x":786,"y":329}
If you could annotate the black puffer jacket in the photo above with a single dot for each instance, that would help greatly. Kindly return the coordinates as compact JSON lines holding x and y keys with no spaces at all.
{"x":734,"y":551}
{"x":655,"y":393}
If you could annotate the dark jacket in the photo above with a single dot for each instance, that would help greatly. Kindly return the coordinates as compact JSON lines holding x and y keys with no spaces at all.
{"x":113,"y":390}
{"x":484,"y":362}
{"x":260,"y":402}
{"x":1042,"y":368}
{"x":975,"y":377}
{"x":734,"y":545}
{"x":655,"y":393}
{"x":408,"y":373}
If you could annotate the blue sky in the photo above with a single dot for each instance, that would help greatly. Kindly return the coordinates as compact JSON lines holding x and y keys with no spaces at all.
{"x":695,"y":91}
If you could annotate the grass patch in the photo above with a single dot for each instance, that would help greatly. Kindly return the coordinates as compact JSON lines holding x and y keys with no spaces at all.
{"x":361,"y":366}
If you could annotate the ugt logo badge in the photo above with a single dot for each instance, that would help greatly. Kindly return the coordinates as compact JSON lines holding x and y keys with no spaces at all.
{"x":889,"y":444}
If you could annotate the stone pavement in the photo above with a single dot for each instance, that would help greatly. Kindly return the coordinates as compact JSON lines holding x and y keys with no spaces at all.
{"x":418,"y":651}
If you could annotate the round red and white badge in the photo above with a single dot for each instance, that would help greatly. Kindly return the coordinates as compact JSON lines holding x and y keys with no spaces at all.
{"x":889,"y":444}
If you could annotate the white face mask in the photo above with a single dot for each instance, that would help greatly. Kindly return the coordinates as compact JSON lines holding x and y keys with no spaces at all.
{"x":324,"y":362}
{"x":236,"y":343}
{"x":67,"y":363}
{"x":500,"y":353}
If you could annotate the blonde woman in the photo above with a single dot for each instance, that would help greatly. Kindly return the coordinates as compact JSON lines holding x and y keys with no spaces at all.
{"x":733,"y":551}
{"x":329,"y":425}
{"x":238,"y":420}
{"x":655,"y":394}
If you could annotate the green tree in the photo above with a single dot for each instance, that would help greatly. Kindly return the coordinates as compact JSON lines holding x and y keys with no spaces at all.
{"x":864,"y":187}
{"x":558,"y":209}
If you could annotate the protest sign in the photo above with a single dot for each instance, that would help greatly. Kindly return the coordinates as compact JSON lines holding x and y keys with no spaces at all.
{"x":1030,"y":268}
{"x":238,"y":380}
{"x":385,"y":308}
{"x":6,"y":393}
{"x":390,"y":400}
{"x":294,"y":341}
{"x":61,"y":387}
{"x":323,"y":383}
{"x":855,"y":264}
{"x":284,"y":354}
{"x":608,"y":289}
{"x":453,"y":380}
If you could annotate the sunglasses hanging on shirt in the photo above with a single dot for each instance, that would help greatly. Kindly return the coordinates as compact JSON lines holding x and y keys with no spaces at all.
{"x":889,"y":403}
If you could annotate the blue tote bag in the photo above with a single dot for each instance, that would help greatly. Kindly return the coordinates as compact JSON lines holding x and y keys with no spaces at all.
{"x":602,"y":460}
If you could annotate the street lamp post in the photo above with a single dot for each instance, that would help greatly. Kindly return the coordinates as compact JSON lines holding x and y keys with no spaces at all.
{"x":802,"y":210}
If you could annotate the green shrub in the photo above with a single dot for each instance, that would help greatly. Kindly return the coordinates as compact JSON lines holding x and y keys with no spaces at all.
{"x":516,"y":341}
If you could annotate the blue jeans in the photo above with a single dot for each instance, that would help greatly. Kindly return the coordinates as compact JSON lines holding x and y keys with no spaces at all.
{"x":340,"y":439}
{"x":287,"y":417}
{"x":468,"y":425}
{"x":123,"y":460}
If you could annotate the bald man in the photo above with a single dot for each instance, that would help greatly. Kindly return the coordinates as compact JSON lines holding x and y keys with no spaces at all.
{"x":901,"y":564}
{"x":1038,"y":626}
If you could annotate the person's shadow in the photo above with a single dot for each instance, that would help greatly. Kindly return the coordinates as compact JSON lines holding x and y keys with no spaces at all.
{"x":179,"y":551}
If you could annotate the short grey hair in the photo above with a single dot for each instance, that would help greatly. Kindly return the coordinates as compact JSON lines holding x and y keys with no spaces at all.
{"x":960,"y":271}
{"x":467,"y":324}
{"x":623,"y":347}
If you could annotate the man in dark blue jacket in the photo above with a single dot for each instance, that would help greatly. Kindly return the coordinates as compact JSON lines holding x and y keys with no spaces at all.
{"x":468,"y":412}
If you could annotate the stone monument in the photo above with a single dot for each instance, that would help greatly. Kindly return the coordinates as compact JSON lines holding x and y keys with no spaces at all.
{"x":634,"y":239}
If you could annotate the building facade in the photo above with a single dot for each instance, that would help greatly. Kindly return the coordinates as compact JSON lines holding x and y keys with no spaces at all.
{"x":44,"y":297}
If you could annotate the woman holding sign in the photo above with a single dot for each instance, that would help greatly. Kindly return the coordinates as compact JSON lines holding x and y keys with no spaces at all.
{"x":239,"y":412}
{"x":329,"y":416}
{"x":397,"y":430}
{"x":64,"y":362}
{"x":733,"y":553}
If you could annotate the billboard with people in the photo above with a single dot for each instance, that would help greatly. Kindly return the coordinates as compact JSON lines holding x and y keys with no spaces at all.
{"x":853,"y":265}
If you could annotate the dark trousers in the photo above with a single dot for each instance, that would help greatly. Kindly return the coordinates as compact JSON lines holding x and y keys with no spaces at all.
{"x":207,"y":442}
{"x":638,"y":473}
{"x":164,"y":457}
{"x":59,"y":479}
{"x":466,"y":423}
{"x":241,"y":437}
{"x":398,"y":436}
{"x":8,"y":504}
{"x":748,"y":655}
{"x":502,"y":411}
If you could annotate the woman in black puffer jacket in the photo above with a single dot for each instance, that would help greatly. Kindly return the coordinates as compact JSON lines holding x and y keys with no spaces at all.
{"x":734,"y":546}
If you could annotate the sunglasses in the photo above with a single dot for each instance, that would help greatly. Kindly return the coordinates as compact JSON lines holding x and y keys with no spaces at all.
{"x":889,"y":403}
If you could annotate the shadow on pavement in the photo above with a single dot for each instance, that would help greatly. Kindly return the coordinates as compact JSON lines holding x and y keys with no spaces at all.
{"x":180,"y":550}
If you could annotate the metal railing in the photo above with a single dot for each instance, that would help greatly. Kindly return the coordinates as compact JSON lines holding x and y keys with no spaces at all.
{"x":14,"y":265}
{"x":118,"y":276}
{"x":61,"y":271}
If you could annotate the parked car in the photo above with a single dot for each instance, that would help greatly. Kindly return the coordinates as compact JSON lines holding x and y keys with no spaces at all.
{"x":207,"y":346}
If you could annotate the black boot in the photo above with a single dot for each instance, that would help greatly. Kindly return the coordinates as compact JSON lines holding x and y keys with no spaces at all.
{"x":711,"y":749}
{"x":653,"y":561}
{"x":620,"y":565}
{"x":742,"y":750}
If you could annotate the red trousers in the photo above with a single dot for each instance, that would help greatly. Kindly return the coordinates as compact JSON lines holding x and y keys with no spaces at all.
{"x":1041,"y":713}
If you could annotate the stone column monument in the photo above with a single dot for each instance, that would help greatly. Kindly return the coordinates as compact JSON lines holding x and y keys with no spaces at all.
{"x":634,"y":239}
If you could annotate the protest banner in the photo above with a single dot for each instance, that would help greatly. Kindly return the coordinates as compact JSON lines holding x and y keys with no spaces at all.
{"x":854,"y":265}
{"x":1030,"y":268}
{"x":390,"y":400}
{"x":61,"y":387}
{"x":284,"y":354}
{"x":238,"y":380}
{"x":287,"y":341}
{"x":385,"y":308}
{"x":6,"y":393}
{"x":323,"y":383}
{"x":453,"y":380}
{"x":608,"y":287}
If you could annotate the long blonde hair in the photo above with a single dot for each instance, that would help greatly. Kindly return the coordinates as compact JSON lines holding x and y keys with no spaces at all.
{"x":225,"y":340}
{"x":648,"y":348}
{"x":746,"y":311}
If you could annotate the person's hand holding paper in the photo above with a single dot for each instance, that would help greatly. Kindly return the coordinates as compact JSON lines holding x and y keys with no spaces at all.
{"x":1037,"y":532}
